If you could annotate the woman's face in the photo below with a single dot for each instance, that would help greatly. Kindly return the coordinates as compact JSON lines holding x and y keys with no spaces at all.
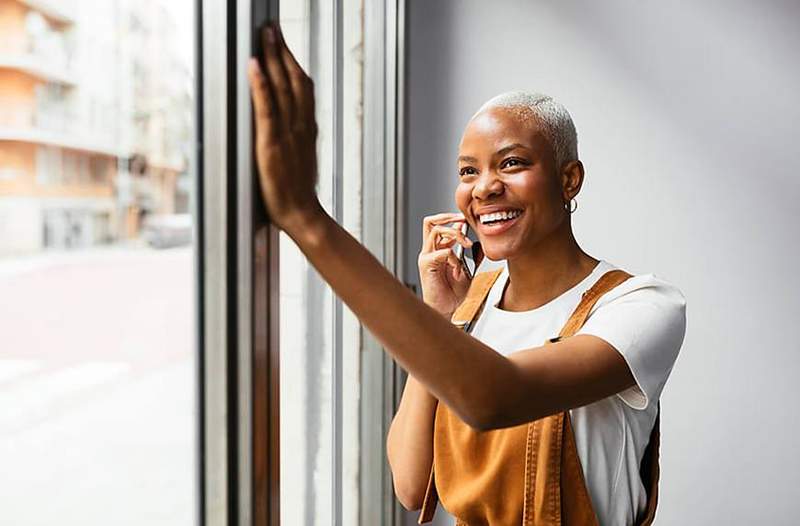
{"x":507,"y":166}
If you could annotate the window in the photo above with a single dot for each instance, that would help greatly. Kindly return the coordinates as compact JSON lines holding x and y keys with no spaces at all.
{"x":98,"y":364}
{"x":173,"y":358}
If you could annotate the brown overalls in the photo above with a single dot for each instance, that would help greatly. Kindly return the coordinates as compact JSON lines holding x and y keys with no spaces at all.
{"x":530,"y":474}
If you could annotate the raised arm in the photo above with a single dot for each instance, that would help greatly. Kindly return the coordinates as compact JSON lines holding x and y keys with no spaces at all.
{"x":481,"y":386}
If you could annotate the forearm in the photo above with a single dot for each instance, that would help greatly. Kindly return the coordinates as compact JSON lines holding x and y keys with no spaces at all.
{"x":409,"y":443}
{"x":456,"y":368}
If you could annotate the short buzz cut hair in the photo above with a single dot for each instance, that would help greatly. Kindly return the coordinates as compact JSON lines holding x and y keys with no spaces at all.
{"x":552,"y":117}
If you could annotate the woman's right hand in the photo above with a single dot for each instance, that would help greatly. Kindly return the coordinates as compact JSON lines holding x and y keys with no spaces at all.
{"x":442,"y":276}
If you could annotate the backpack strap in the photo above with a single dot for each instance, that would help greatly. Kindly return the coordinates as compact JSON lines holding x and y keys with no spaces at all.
{"x":463,"y":317}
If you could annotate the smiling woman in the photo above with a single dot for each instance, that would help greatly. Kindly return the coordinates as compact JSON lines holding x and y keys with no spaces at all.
{"x":507,"y":432}
{"x":618,"y":336}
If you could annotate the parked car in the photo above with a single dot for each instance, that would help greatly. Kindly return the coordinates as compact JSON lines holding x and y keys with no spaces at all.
{"x":167,"y":230}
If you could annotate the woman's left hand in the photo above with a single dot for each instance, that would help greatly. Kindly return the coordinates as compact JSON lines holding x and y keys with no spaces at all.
{"x":285,"y":133}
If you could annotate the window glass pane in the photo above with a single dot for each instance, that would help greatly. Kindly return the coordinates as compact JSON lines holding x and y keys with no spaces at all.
{"x":306,"y":303}
{"x":97,"y":315}
{"x":320,"y":338}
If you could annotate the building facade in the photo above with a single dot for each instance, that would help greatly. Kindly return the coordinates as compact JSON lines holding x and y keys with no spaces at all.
{"x":94,"y":128}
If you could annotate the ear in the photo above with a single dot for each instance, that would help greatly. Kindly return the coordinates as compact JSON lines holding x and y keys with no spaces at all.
{"x":571,"y":179}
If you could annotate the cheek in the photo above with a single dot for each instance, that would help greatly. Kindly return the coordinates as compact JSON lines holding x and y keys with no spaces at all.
{"x":462,"y":196}
{"x":538,"y":189}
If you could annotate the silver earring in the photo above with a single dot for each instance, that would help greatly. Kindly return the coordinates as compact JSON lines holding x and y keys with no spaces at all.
{"x":568,"y":205}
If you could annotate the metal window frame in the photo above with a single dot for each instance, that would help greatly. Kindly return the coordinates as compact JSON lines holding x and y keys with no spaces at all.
{"x":212,"y":205}
{"x":383,"y":220}
{"x":337,"y":51}
{"x":237,"y":262}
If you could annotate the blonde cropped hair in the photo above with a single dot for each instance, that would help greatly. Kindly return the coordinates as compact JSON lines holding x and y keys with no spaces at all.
{"x":552,"y":117}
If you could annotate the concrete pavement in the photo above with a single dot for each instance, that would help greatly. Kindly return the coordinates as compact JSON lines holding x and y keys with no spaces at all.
{"x":97,"y":388}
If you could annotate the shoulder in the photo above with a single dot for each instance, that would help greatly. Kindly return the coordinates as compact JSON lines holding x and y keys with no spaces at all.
{"x":645,"y":305}
{"x":647,"y":289}
{"x":644,"y":318}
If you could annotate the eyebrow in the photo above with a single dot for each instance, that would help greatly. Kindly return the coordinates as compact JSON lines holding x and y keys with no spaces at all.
{"x":501,"y":151}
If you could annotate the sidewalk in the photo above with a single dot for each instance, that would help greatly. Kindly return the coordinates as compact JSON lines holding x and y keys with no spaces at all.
{"x":98,"y":387}
{"x":13,"y":265}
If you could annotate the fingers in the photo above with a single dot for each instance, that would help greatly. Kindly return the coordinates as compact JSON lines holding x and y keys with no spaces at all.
{"x":439,"y":219}
{"x":447,"y":234}
{"x":301,"y":84}
{"x":263,"y":103}
{"x":277,"y":76}
{"x":446,"y":255}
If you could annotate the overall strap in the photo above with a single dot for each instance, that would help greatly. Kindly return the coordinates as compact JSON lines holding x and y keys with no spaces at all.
{"x":543,"y":504}
{"x":649,"y":470}
{"x":479,"y":289}
{"x":463,"y":317}
{"x":607,"y":281}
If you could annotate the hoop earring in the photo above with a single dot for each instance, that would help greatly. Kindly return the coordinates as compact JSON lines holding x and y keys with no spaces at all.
{"x":568,"y":205}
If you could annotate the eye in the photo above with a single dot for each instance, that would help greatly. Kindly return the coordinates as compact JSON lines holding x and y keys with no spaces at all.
{"x":467,"y":170}
{"x":507,"y":162}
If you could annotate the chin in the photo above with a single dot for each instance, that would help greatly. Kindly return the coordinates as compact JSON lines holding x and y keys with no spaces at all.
{"x":496,"y":253}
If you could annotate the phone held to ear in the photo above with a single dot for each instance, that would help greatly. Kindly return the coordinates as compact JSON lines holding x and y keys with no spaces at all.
{"x":467,"y":256}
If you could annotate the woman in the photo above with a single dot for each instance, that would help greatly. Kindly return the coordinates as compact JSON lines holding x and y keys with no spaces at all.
{"x":593,"y":394}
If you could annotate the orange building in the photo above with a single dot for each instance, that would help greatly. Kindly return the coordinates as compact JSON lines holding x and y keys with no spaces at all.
{"x":56,"y":183}
{"x":71,"y":108}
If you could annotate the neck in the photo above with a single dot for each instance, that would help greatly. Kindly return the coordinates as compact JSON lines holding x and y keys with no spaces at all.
{"x":552,"y":267}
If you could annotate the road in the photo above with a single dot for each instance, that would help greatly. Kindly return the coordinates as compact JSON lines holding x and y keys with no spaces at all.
{"x":97,"y":388}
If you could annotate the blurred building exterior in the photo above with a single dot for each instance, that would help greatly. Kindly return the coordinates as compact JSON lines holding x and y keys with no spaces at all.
{"x":95,"y":121}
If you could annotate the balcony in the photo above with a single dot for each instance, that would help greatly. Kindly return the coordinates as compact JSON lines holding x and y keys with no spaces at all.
{"x":39,"y":67}
{"x":38,"y":48}
{"x":56,"y":11}
{"x":84,"y":142}
{"x":54,"y":122}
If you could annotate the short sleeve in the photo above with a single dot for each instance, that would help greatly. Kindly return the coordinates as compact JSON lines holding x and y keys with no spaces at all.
{"x":644,"y":319}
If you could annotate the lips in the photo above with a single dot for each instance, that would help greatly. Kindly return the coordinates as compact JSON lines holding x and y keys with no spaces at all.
{"x":486,"y":217}
{"x":499,"y":227}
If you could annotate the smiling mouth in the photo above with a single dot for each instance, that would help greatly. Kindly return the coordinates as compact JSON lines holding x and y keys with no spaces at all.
{"x":499,"y":217}
{"x":498,"y":222}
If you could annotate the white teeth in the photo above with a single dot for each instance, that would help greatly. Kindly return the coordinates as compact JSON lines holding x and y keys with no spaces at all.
{"x":510,"y":214}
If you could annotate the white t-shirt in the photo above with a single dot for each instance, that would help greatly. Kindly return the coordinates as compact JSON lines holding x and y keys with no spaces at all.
{"x":644,"y":319}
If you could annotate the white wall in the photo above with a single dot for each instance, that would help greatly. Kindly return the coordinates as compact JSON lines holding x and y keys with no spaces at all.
{"x":21,"y":226}
{"x":687,"y":120}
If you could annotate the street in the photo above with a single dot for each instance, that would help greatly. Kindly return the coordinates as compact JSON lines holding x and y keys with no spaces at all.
{"x":97,"y":388}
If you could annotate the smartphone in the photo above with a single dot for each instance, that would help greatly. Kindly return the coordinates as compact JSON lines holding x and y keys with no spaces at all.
{"x":469,"y":257}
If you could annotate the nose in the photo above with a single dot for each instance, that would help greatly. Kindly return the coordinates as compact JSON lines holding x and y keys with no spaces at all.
{"x":488,"y":185}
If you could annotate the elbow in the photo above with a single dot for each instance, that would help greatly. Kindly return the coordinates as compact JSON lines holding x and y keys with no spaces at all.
{"x":482,"y":416}
{"x":483,"y":408}
{"x":491,"y":420}
{"x":411,"y":498}
{"x":484,"y":422}
{"x":499,"y":412}
{"x":490,"y":404}
{"x":409,"y":488}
